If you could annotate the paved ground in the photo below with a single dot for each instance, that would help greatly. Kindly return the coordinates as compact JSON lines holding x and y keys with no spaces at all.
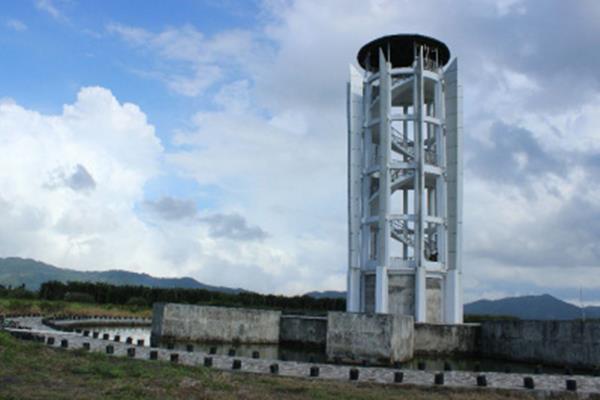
{"x":544,"y":384}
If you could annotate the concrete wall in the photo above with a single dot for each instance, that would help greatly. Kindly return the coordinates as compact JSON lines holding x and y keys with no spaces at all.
{"x":381,"y":338}
{"x":303,"y":329}
{"x":573,"y":343}
{"x":434,"y":300}
{"x":433,"y":339}
{"x":218,"y":324}
{"x":401,"y":294}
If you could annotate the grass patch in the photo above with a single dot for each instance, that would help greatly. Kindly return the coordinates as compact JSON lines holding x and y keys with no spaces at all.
{"x":33,"y":371}
{"x":45,"y":307}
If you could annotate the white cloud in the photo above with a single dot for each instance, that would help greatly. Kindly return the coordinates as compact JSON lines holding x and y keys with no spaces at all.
{"x":16,"y":25}
{"x":48,"y":7}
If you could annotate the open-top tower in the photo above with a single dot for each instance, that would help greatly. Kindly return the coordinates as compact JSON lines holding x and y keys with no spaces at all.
{"x":405,"y":180}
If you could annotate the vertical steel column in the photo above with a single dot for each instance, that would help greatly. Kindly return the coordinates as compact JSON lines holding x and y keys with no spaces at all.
{"x":419,"y":191}
{"x":383,"y":259}
{"x":355,"y":120}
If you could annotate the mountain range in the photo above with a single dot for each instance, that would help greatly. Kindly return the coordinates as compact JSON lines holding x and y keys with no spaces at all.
{"x":16,"y":271}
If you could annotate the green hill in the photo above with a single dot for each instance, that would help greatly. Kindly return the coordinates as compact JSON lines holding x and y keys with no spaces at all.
{"x":16,"y":271}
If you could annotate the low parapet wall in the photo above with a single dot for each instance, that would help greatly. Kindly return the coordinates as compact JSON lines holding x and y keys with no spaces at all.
{"x":380,"y":338}
{"x":303,"y":329}
{"x":432,"y":339}
{"x":575,"y":343}
{"x":214,"y":324}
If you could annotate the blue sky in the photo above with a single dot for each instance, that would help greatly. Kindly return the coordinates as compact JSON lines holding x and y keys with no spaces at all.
{"x":208,"y":138}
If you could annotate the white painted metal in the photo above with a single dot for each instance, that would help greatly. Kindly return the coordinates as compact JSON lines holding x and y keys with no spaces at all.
{"x":355,"y":117}
{"x":405,"y":184}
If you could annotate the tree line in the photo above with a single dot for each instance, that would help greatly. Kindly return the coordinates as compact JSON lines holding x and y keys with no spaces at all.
{"x":104,"y":293}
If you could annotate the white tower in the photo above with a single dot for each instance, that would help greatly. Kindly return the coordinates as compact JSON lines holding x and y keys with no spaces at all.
{"x":405,"y":180}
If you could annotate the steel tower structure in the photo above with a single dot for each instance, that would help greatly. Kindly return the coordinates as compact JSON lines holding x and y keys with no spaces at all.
{"x":405,"y":180}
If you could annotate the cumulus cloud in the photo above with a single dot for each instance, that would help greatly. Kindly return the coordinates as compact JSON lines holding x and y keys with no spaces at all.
{"x":78,"y":179}
{"x":171,"y":208}
{"x":232,"y":226}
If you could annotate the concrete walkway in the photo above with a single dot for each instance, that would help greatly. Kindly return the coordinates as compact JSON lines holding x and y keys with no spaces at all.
{"x":544,"y":384}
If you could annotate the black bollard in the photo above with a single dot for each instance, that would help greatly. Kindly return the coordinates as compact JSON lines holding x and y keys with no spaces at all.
{"x":481,"y":381}
{"x":237,"y":364}
{"x":528,"y":382}
{"x":398,"y":377}
{"x":129,"y":340}
{"x":212,"y":350}
{"x":421,"y":365}
{"x":571,"y":385}
{"x":105,"y":336}
{"x":174,"y":357}
{"x":64,"y":343}
{"x":86,"y":346}
{"x":95,"y":335}
{"x":86,"y":333}
{"x":110,"y":349}
{"x":50,"y":341}
{"x":447,"y":366}
{"x":117,"y":338}
{"x":314,"y":371}
{"x":131,"y":352}
{"x":208,"y":362}
{"x":438,"y":379}
{"x":154,"y":355}
{"x":231,"y":353}
{"x":140,"y":342}
{"x":353,"y":374}
{"x":189,"y":348}
{"x":274,"y":368}
{"x":255,"y":354}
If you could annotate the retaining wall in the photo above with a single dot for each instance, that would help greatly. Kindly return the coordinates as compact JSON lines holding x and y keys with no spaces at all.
{"x":574,"y":343}
{"x":381,"y":338}
{"x":447,"y":339}
{"x":214,"y":324}
{"x":303,"y":329}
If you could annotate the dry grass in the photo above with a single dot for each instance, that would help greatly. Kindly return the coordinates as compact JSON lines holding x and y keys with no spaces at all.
{"x":33,"y":371}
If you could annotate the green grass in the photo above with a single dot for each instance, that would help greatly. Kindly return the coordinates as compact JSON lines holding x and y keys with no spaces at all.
{"x":23,"y":306}
{"x":33,"y":371}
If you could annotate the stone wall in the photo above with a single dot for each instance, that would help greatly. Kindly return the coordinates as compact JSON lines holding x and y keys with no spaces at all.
{"x":380,"y":338}
{"x":574,"y":343}
{"x":217,"y":324}
{"x":433,"y":339}
{"x":303,"y":329}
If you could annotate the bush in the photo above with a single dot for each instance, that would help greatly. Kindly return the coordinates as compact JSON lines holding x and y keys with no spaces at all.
{"x":19,"y":306}
{"x":52,"y":307}
{"x":76,"y":297}
{"x":137,"y":302}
